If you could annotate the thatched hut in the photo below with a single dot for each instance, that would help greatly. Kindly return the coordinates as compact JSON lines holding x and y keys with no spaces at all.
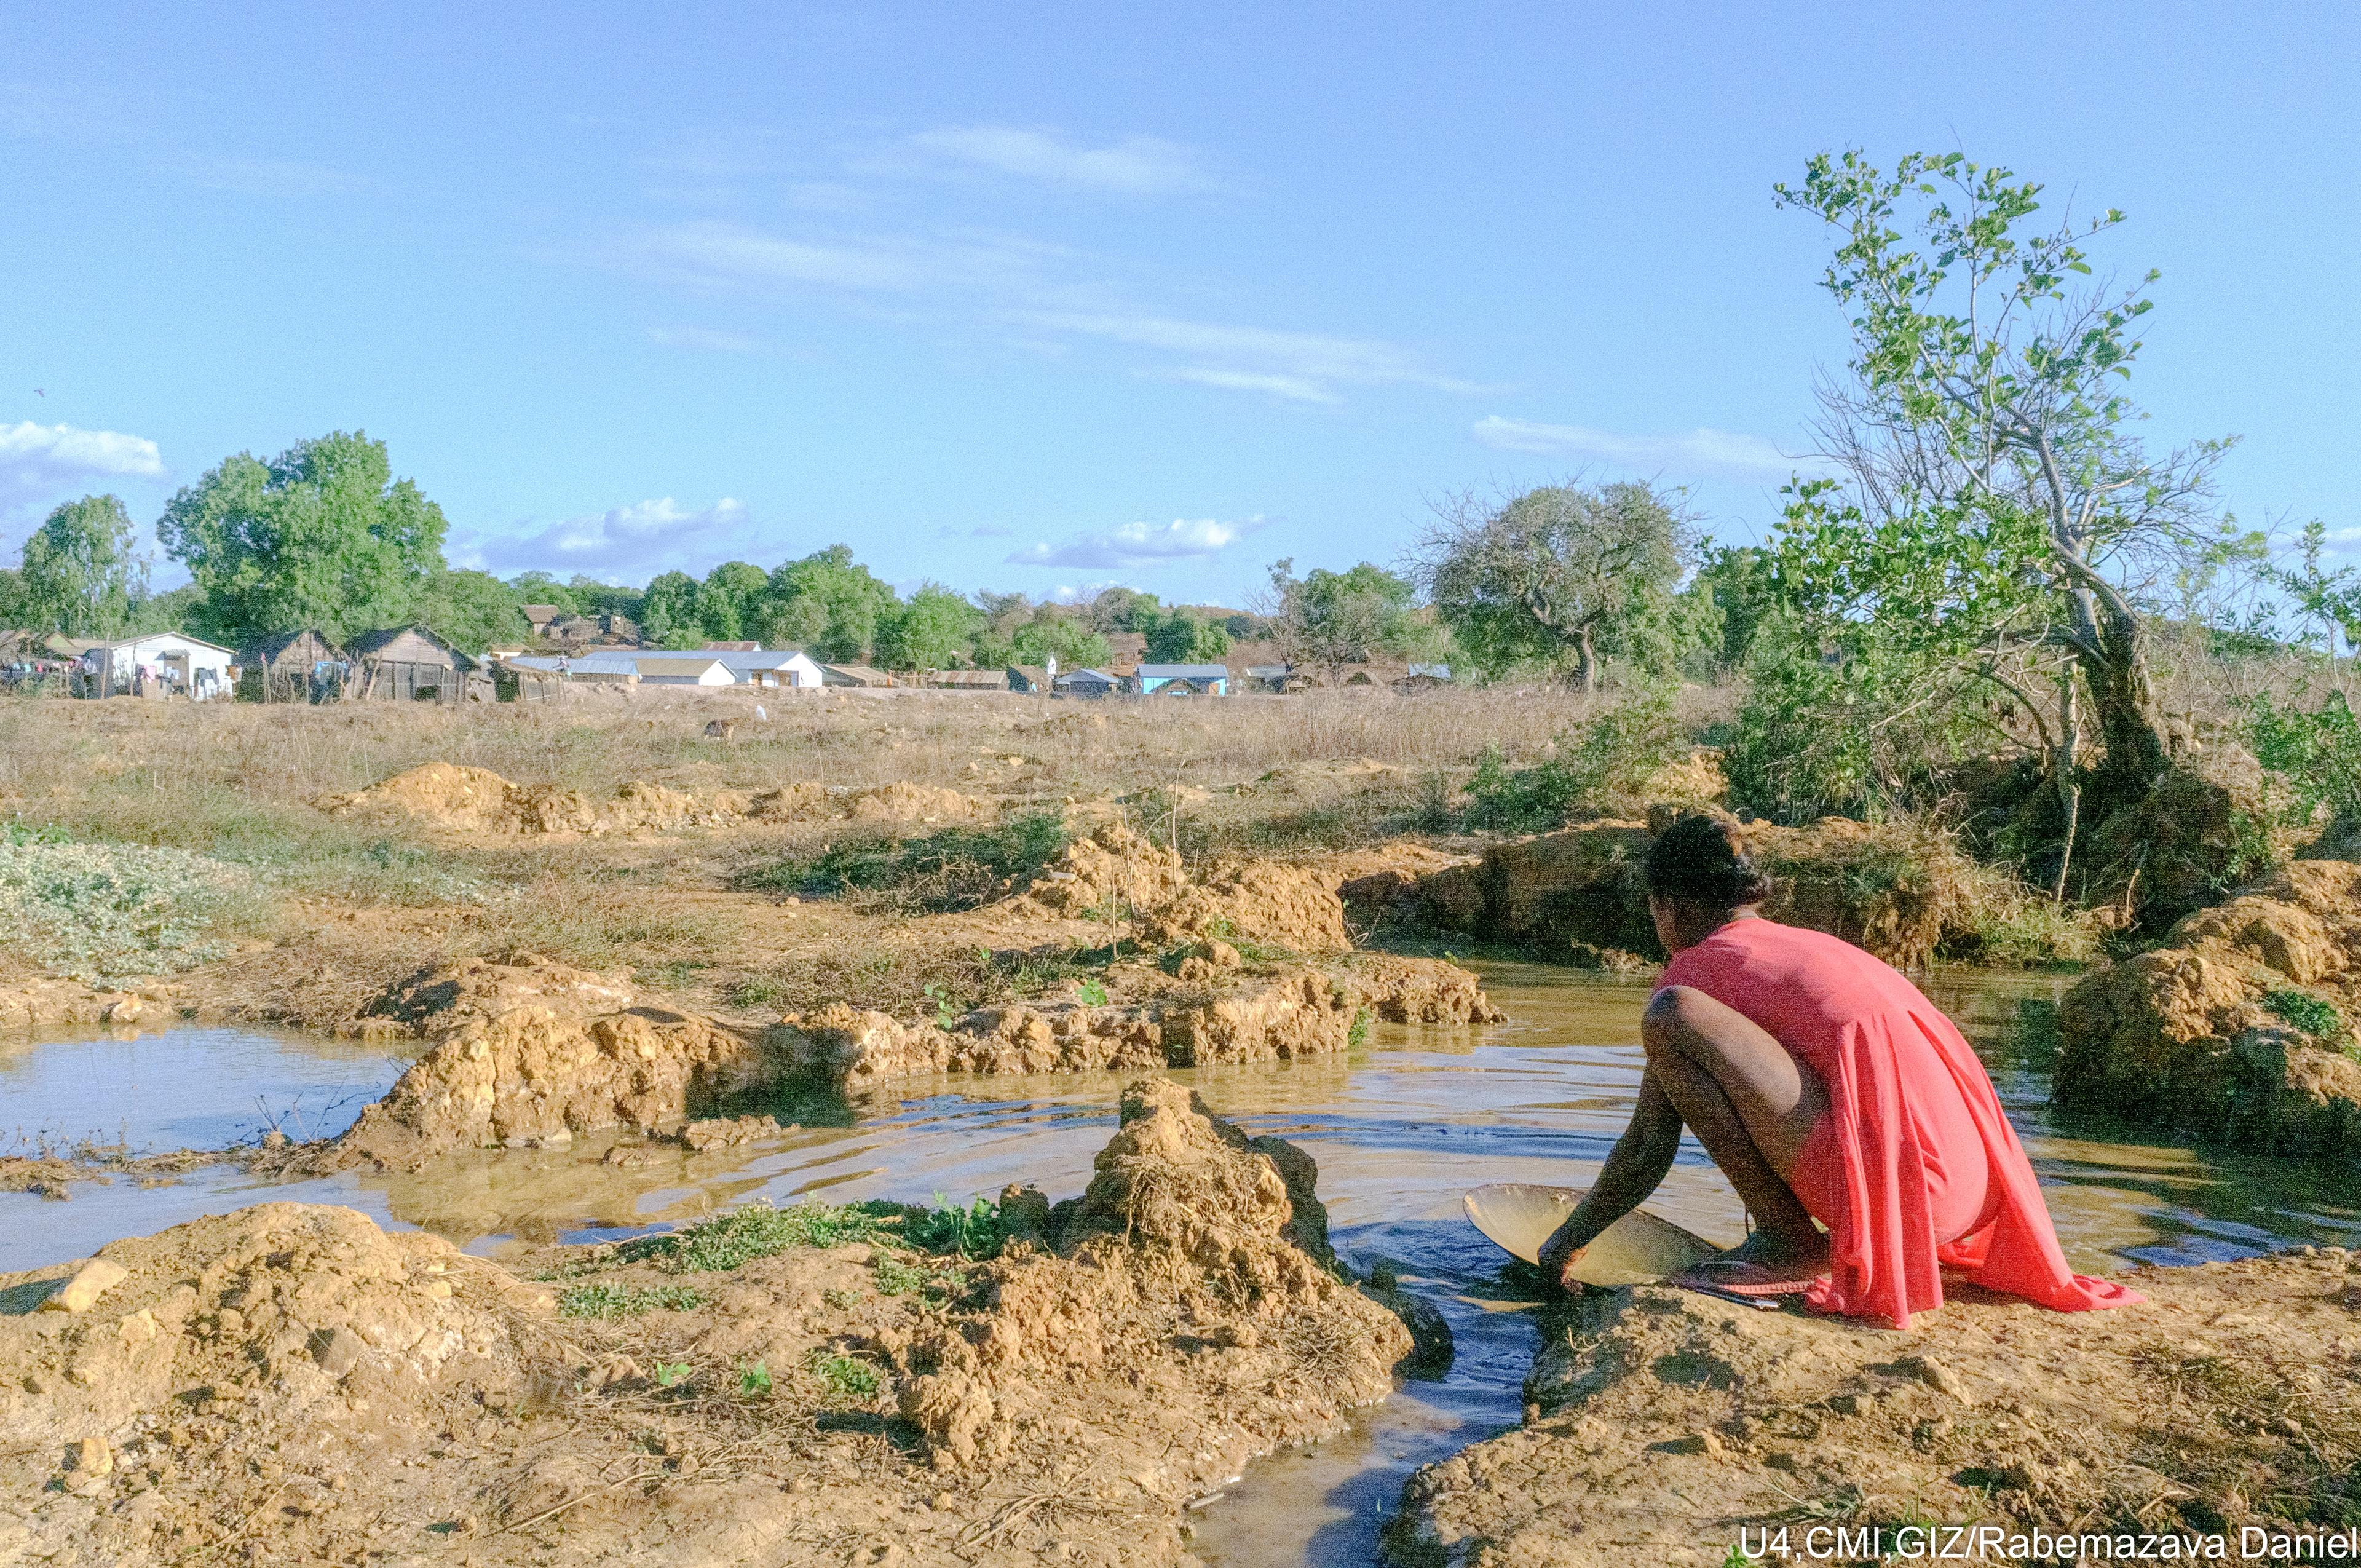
{"x":295,"y":666}
{"x":408,"y":664}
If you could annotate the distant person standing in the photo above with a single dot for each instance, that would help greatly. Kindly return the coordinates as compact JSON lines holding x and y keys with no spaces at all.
{"x":1850,"y":1114}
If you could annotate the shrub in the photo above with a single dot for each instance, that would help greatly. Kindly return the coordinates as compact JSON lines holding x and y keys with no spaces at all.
{"x":2318,"y":753}
{"x":845,"y":1377}
{"x":2314,"y":1016}
{"x":958,"y":868}
{"x":1609,"y":761}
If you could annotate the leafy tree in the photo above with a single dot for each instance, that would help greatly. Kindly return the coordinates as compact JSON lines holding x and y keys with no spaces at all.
{"x":171,"y":610}
{"x":13,"y":613}
{"x":730,"y":601}
{"x":592,"y":596}
{"x":669,"y":612}
{"x":1740,"y":585}
{"x":1118,"y":609}
{"x":1067,"y":638}
{"x":828,"y":604}
{"x":2325,"y":602}
{"x":320,"y":536}
{"x":1181,"y":636}
{"x":540,"y":587}
{"x":1330,"y":620}
{"x":472,"y":610}
{"x":1996,"y":517}
{"x":1567,"y":573}
{"x":933,"y":631}
{"x":82,"y":572}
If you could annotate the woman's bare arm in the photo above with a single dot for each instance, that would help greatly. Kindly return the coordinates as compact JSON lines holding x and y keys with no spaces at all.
{"x":1634,"y":1168}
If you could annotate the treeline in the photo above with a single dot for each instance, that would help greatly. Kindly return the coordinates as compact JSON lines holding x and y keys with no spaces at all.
{"x":1567,"y":580}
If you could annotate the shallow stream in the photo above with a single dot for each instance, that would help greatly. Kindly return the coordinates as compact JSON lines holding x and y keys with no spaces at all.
{"x":1401,"y":1129}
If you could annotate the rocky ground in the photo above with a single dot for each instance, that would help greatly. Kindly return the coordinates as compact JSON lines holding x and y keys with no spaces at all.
{"x":1662,"y":1424}
{"x":290,"y":1383}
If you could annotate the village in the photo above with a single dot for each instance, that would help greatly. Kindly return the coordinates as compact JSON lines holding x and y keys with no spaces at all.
{"x":411,"y":663}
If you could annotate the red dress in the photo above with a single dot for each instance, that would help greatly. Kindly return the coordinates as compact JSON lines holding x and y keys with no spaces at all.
{"x":1914,"y":1166}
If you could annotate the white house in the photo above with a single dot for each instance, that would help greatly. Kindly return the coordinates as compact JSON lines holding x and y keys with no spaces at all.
{"x":656,"y":666}
{"x":773,"y":667}
{"x":685,"y":670}
{"x":157,"y":664}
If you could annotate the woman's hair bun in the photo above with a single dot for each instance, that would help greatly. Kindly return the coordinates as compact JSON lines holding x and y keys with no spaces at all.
{"x":1701,"y":860}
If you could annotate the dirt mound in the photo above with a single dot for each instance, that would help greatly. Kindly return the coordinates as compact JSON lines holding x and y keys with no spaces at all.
{"x":1194,"y":1267}
{"x":1285,"y":1010}
{"x":1266,"y":903}
{"x":902,"y":801}
{"x":2213,"y":820}
{"x":1661,"y":1423}
{"x":2240,"y":1026}
{"x":527,"y":1054}
{"x":232,"y":1358}
{"x":1113,"y":872}
{"x":1898,"y":891}
{"x":444,"y":794}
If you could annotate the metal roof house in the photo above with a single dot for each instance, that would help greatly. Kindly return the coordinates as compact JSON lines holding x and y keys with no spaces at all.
{"x":969,"y":680}
{"x":855,"y":675}
{"x":773,"y":667}
{"x":1027,"y":678}
{"x":1089,"y":682}
{"x":1208,"y":680}
{"x":683,"y":670}
{"x":157,"y":664}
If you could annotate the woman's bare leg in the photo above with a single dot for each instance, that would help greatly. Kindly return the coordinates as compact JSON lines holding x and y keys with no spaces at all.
{"x":1749,"y":1102}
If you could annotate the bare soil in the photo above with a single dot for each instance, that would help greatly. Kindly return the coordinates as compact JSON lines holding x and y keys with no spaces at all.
{"x":1660,"y":1424}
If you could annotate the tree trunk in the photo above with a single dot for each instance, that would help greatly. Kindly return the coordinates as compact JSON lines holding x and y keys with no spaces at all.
{"x":1585,"y":661}
{"x":2124,"y":703}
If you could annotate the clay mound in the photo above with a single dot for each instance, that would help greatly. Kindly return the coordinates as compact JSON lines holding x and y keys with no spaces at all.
{"x":476,"y":800}
{"x":2240,"y":1026}
{"x":902,"y":801}
{"x":528,"y":1054}
{"x":1263,"y":902}
{"x":1661,"y":1422}
{"x":1899,"y":890}
{"x":1287,"y":1011}
{"x":1114,"y":869}
{"x":283,"y":1313}
{"x":437,"y":1000}
{"x":1204,"y":1267}
{"x":2214,"y":819}
{"x":444,"y":794}
{"x":1421,"y":991}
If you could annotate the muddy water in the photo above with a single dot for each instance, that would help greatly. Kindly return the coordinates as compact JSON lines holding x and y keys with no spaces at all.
{"x":1401,"y":1129}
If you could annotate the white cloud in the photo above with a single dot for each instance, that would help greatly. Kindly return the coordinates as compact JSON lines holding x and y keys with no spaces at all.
{"x":40,"y":462}
{"x":703,"y":337}
{"x":1138,"y":545}
{"x":1135,"y":166}
{"x":717,"y":255}
{"x":1301,"y":366}
{"x":1296,"y":389}
{"x":1718,"y":450}
{"x":626,"y":541}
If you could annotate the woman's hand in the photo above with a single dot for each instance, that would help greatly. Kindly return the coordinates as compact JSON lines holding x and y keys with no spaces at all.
{"x":1558,"y":1257}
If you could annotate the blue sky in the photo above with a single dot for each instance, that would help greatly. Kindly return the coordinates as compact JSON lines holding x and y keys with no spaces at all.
{"x":1034,"y":297}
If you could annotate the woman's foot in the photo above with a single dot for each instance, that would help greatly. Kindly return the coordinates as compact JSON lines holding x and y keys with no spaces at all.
{"x":1764,"y":1264}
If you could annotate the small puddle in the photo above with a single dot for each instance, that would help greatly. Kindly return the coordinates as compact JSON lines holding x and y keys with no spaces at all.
{"x":192,"y":1088}
{"x":1401,"y":1129}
